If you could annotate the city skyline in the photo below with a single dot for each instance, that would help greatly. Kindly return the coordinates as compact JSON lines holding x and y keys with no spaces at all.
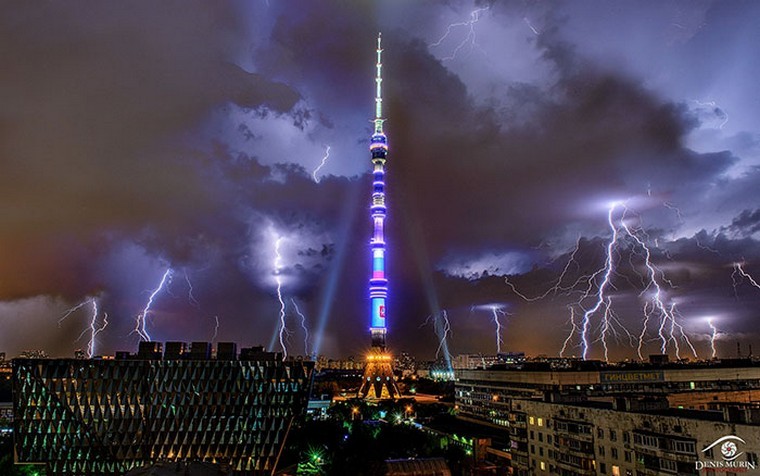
{"x":200,"y":174}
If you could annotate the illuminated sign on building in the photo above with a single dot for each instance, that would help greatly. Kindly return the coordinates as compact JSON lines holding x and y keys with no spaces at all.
{"x":633,"y":376}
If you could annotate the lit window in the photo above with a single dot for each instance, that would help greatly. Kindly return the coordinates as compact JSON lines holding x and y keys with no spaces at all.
{"x":615,"y":470}
{"x":531,"y":421}
{"x":540,"y":422}
{"x":543,"y":466}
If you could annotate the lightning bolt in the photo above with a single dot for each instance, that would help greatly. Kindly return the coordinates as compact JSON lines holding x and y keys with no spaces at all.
{"x":715,"y":107}
{"x":216,"y":328}
{"x":557,"y":287}
{"x":601,"y":299}
{"x":532,"y":28}
{"x":141,"y":320}
{"x":713,"y":338}
{"x":739,"y":268}
{"x":303,"y":326}
{"x":277,"y":267}
{"x":705,"y":247}
{"x":575,"y":329}
{"x":666,"y":313}
{"x":321,"y":164}
{"x":595,"y":300}
{"x":72,"y":310}
{"x":442,"y":329}
{"x":94,"y":329}
{"x":675,"y":209}
{"x":496,"y":312}
{"x":469,"y":37}
{"x":190,"y":295}
{"x":598,"y":292}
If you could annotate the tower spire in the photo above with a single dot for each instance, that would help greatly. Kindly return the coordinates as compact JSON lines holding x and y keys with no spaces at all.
{"x":379,"y":381}
{"x":379,"y":87}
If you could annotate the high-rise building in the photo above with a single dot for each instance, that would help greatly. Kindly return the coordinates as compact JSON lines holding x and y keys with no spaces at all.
{"x":106,"y":417}
{"x":379,"y":381}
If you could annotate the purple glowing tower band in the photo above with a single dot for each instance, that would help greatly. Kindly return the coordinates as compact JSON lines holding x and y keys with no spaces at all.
{"x":378,"y":284}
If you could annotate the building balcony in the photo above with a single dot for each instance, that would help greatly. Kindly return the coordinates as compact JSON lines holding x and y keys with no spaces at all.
{"x":520,"y":461}
{"x":642,"y":471}
{"x":584,"y":437}
{"x":681,"y":457}
{"x":588,"y":471}
{"x":576,"y":452}
{"x":661,"y":453}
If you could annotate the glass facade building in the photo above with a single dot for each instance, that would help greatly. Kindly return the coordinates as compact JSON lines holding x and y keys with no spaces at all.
{"x":101,"y":417}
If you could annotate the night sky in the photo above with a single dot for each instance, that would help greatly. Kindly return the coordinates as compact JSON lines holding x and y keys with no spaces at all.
{"x":140,"y":137}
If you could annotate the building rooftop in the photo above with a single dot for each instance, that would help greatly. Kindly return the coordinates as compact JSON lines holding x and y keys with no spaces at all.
{"x":568,"y":365}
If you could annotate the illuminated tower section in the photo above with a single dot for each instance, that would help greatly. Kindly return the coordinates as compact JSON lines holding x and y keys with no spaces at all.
{"x":379,"y":381}
{"x":378,"y":284}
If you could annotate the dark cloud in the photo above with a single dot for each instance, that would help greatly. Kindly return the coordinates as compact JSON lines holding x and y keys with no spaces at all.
{"x":599,"y":137}
{"x":137,"y":139}
{"x":95,"y":100}
{"x":746,"y":224}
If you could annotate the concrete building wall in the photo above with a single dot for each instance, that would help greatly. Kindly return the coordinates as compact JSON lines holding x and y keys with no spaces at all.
{"x":709,"y":400}
{"x":624,"y":443}
{"x":618,"y":422}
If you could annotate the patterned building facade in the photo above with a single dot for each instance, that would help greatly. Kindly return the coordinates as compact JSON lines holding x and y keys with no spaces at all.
{"x":99,"y":417}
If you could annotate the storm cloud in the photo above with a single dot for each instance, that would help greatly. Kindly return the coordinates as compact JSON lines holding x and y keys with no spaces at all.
{"x":186,"y":136}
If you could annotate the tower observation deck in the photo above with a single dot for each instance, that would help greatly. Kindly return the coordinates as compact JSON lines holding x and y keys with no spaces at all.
{"x":379,"y":381}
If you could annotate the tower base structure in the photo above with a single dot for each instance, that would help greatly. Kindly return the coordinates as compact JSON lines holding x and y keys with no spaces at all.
{"x":379,"y":383}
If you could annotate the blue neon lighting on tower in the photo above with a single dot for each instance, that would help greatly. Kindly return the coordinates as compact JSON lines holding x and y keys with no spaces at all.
{"x":378,"y":283}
